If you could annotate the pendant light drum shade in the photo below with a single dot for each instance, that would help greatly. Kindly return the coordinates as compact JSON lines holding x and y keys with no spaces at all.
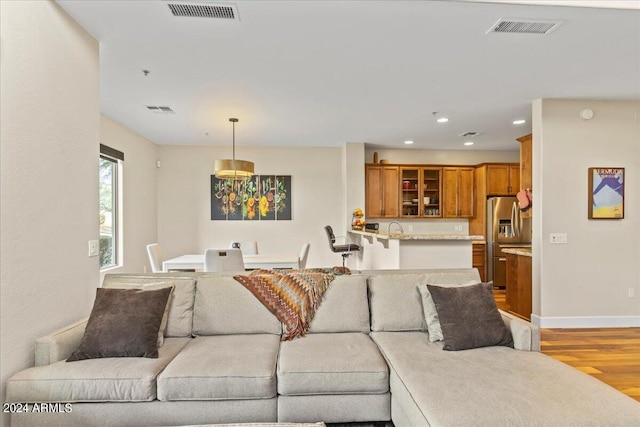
{"x":232,"y":168}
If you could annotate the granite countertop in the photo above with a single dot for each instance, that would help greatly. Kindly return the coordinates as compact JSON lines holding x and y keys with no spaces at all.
{"x":518,"y":251}
{"x":407,"y":236}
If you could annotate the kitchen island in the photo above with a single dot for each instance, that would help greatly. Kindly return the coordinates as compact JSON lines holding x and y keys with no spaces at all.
{"x":519,"y":281}
{"x":409,"y":251}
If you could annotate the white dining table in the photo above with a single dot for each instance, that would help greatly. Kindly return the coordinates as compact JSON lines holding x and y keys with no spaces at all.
{"x":251,"y":262}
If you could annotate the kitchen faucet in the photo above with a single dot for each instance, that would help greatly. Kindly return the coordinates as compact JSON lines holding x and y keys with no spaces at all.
{"x":398,"y":224}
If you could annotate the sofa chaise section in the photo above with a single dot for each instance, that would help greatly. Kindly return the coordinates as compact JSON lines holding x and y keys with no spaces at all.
{"x":488,"y":386}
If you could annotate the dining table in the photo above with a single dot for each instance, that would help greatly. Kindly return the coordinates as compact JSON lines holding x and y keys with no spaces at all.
{"x":251,"y":262}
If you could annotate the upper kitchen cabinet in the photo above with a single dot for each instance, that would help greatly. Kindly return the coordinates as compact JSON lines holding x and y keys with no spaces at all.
{"x":458,"y":192}
{"x":420,"y":188}
{"x":431,"y":191}
{"x":503,"y":179}
{"x":382,"y":195}
{"x":526,"y":166}
{"x":410,"y":190}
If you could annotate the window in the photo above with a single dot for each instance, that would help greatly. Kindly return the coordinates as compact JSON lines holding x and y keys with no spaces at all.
{"x":109,"y":208}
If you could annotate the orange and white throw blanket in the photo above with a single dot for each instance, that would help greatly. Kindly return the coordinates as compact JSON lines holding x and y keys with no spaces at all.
{"x":291,"y":295}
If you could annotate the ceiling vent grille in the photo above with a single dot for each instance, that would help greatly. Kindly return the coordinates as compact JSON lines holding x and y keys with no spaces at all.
{"x":159,"y":109}
{"x":524,"y":26}
{"x":202,"y":10}
{"x":469,"y":134}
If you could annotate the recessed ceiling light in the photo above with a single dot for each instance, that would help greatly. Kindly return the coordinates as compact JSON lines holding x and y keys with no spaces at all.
{"x":519,"y":122}
{"x":468,"y":143}
{"x":408,"y":142}
{"x":442,"y":120}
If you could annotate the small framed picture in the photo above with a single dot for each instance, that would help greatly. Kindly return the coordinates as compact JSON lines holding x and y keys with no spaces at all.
{"x":606,"y":193}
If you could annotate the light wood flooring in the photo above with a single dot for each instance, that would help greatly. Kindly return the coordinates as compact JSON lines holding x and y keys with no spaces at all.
{"x":611,"y":355}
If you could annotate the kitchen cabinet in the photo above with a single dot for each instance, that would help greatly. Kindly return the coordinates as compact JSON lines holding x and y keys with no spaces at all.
{"x":458,"y":192}
{"x":382,"y":195}
{"x":526,"y":166}
{"x":479,"y":259}
{"x":519,"y":285}
{"x":420,"y":192}
{"x":431,"y":192}
{"x":503,"y":179}
{"x":410,"y":192}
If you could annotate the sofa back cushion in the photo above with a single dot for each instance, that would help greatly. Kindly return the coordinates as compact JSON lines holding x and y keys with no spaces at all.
{"x":180,"y":312}
{"x":224,"y":307}
{"x":344,"y":308}
{"x":396,"y":303}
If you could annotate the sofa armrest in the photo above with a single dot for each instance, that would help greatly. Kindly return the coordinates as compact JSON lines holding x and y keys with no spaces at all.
{"x":60,"y":344}
{"x":526,"y":335}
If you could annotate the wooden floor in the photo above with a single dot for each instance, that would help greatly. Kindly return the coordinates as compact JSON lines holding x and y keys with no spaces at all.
{"x":611,"y":355}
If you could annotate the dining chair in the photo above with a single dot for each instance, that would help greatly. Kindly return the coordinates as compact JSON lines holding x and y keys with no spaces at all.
{"x":302,"y":258}
{"x":248,"y":247}
{"x":345,"y":249}
{"x":155,"y":257}
{"x":223,"y":260}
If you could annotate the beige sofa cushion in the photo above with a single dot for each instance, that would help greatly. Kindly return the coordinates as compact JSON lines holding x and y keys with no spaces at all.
{"x":395,"y":302}
{"x":118,"y":379}
{"x":222,"y":367}
{"x":223,"y":306}
{"x":344,"y":308}
{"x":336,"y":363}
{"x":180,"y":311}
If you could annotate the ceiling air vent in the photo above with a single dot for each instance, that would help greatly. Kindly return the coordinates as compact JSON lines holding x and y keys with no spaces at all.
{"x":469,"y":134}
{"x":204,"y":10}
{"x":159,"y":110}
{"x":524,"y":26}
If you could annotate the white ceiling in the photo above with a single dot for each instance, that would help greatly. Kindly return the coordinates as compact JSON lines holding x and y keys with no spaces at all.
{"x":321,"y":73}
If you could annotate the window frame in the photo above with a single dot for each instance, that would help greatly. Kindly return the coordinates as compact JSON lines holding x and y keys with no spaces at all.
{"x":116,"y":158}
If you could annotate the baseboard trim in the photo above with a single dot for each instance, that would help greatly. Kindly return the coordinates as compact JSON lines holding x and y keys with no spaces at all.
{"x":586,"y":321}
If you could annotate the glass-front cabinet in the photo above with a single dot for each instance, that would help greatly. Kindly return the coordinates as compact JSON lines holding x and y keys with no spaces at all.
{"x":421,"y":189}
{"x":431,"y":192}
{"x":410,"y":187}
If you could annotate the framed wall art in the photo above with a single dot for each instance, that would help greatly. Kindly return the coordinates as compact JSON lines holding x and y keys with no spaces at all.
{"x":606,"y":193}
{"x":259,"y":198}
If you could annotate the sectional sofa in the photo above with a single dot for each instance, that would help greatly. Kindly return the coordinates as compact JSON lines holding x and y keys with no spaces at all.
{"x":367,"y":357}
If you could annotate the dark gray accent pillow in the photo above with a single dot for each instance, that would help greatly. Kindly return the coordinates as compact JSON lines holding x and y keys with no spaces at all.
{"x":123,"y":323}
{"x":469,"y":317}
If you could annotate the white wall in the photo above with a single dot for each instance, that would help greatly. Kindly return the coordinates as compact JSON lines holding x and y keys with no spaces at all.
{"x":585,"y":282}
{"x":139,"y":180}
{"x":184,"y":201}
{"x":352,"y":181}
{"x":49,"y":175}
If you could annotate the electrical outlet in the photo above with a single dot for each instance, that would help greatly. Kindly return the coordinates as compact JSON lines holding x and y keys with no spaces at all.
{"x":632,"y":293}
{"x":94,"y":248}
{"x":457,"y":228}
{"x":558,"y":238}
{"x":410,"y":228}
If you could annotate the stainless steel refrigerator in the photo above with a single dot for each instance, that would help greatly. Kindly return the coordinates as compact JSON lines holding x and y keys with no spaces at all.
{"x":505,"y":228}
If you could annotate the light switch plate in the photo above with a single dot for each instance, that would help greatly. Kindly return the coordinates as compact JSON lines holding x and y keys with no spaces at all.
{"x":558,"y":238}
{"x":94,"y":248}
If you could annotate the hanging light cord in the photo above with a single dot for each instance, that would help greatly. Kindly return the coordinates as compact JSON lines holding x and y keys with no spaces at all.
{"x":234,"y":139}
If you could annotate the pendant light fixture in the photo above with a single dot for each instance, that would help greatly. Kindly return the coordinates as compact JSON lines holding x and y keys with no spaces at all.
{"x":232,"y":168}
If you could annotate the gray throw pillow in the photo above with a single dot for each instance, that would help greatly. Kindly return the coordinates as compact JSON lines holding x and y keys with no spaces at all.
{"x":469,"y":317}
{"x":429,"y":308}
{"x":147,"y":287}
{"x":123,"y":323}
